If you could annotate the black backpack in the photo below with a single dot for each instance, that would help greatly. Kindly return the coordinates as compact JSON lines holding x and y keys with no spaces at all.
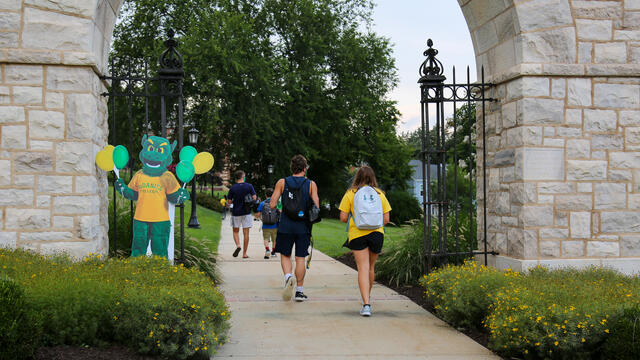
{"x":269,"y":216}
{"x":248,"y":202}
{"x":294,"y":204}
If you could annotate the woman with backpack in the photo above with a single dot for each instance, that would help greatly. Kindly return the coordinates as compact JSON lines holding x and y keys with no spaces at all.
{"x":365,"y":209}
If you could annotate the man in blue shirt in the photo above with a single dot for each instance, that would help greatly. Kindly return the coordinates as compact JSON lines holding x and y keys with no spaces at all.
{"x":269,"y":231}
{"x":292,"y":231}
{"x":241,"y":212}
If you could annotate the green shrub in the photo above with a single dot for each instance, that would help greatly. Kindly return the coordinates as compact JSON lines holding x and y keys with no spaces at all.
{"x":401,"y":261}
{"x":405,"y":206}
{"x":206,"y":200}
{"x":143,"y":303}
{"x":460,"y":293}
{"x":198,"y":255}
{"x":120,"y":239}
{"x":543,"y":314}
{"x":624,"y":341}
{"x":20,"y":331}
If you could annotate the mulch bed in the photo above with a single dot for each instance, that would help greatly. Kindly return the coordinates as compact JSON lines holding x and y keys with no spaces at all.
{"x":416,"y":294}
{"x":89,"y":353}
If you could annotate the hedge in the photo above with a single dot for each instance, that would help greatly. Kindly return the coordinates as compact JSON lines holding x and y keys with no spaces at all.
{"x":208,"y":201}
{"x":404,"y":206}
{"x":542,"y":314}
{"x":143,"y":303}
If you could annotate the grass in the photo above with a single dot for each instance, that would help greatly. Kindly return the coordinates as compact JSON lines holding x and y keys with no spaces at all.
{"x":210,"y":222}
{"x":330,"y":234}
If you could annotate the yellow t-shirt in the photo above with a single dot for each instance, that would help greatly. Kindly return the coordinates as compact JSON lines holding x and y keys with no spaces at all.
{"x":223,"y":202}
{"x":152,"y":195}
{"x":346,"y":205}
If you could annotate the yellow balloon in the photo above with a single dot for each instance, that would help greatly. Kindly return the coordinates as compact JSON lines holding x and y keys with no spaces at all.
{"x":203,"y":162}
{"x":104,"y":160}
{"x":109,"y":149}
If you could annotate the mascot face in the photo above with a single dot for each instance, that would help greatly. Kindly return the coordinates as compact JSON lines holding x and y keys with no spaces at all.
{"x":156,"y":155}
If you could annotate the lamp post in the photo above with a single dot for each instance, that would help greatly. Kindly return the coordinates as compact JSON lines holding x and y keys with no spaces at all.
{"x":193,"y":220}
{"x":270,"y":171}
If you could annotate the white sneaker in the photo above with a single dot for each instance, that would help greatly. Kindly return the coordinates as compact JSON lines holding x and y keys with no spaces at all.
{"x":366,"y":310}
{"x":287,"y":292}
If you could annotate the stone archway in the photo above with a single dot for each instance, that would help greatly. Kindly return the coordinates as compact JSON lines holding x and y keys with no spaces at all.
{"x":53,"y":122}
{"x":563,"y":140}
{"x":563,"y":159}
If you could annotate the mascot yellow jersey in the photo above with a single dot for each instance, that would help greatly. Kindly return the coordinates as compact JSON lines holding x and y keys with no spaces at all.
{"x":152,"y":195}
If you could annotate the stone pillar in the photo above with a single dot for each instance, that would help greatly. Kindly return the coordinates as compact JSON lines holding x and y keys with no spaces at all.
{"x":563,"y":141}
{"x":52,"y":123}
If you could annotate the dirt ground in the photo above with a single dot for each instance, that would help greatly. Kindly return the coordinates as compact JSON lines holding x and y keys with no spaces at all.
{"x":80,"y":353}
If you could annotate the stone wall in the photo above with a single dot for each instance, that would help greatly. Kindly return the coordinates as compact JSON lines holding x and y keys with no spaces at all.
{"x":563,"y":141}
{"x":52,"y":123}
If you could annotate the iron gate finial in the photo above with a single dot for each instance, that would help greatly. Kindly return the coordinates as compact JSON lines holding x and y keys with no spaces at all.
{"x":431,"y":69}
{"x":171,"y":60}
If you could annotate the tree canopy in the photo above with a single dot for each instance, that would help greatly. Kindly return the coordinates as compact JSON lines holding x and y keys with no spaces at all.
{"x":268,"y":79}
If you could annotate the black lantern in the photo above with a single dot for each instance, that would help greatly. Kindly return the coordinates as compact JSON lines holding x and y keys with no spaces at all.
{"x":193,"y":136}
{"x":193,"y":220}
{"x":270,"y":171}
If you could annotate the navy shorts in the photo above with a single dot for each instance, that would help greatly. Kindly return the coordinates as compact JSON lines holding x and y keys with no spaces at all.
{"x":285,"y":242}
{"x":373,"y":241}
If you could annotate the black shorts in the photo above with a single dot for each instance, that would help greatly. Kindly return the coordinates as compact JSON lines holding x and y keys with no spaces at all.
{"x":373,"y":241}
{"x":285,"y":242}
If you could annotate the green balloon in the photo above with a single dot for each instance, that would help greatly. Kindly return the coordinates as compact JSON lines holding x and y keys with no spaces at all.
{"x":188,"y":153}
{"x":120,"y":157}
{"x":279,"y":206}
{"x":185,"y":171}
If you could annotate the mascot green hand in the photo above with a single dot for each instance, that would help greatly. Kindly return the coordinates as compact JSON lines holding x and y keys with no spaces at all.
{"x":153,"y":187}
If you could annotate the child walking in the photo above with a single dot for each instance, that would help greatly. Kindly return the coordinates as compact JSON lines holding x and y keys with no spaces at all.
{"x":270,"y":218}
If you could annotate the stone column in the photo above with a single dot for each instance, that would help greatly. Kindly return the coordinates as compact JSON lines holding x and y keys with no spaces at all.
{"x":52,"y":123}
{"x":563,"y":141}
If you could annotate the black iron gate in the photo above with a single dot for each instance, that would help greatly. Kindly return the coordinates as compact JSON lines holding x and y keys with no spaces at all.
{"x":444,"y":238}
{"x":130,"y":81}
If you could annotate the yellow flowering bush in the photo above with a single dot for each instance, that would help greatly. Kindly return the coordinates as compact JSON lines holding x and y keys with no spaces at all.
{"x":143,"y":303}
{"x":460,"y":293}
{"x":542,"y":314}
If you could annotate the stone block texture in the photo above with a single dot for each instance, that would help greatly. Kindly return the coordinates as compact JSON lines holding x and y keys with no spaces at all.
{"x":52,"y":122}
{"x":564,"y":155}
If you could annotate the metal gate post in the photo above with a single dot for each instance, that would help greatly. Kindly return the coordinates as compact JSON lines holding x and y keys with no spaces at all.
{"x":171,"y":75}
{"x":434,"y":93}
{"x":431,"y":80}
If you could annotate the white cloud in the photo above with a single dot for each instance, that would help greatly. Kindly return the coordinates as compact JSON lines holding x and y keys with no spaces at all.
{"x":408,"y":24}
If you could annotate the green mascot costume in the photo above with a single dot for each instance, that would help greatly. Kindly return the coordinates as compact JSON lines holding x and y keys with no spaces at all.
{"x":153,"y":188}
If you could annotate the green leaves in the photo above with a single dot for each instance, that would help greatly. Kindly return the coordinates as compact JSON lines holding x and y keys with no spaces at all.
{"x":269,"y":79}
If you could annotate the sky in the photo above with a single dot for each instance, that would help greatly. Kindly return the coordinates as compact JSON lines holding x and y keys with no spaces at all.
{"x":408,"y":24}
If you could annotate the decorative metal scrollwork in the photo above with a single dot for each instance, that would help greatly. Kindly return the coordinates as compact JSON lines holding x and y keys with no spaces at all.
{"x":171,"y":60}
{"x":431,"y":69}
{"x":455,"y":92}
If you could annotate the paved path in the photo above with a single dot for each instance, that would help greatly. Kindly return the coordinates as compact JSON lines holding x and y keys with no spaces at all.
{"x":328,"y":326}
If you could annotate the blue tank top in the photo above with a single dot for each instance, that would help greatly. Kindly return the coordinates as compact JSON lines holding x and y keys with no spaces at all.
{"x":288,"y":226}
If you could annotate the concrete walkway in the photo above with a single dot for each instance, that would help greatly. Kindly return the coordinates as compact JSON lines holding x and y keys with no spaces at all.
{"x":328,"y":325}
